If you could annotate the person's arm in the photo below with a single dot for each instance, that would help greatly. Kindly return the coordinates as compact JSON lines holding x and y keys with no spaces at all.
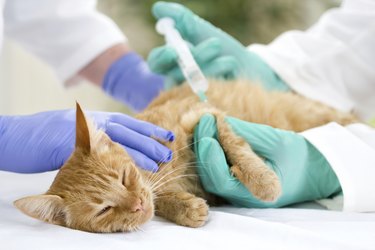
{"x":96,"y":70}
{"x":76,"y":40}
{"x":68,"y":34}
{"x":333,"y":61}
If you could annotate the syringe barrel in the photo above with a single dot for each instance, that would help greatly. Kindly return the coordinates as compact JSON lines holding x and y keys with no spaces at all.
{"x":189,"y":67}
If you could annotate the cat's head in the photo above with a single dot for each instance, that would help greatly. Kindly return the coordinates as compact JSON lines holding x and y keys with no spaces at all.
{"x":99,"y":189}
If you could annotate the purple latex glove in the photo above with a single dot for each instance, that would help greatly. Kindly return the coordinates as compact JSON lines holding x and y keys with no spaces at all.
{"x":44,"y":141}
{"x":130,"y":81}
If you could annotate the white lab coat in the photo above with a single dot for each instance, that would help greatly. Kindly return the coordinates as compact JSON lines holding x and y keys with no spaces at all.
{"x":67,"y":34}
{"x":334,"y":62}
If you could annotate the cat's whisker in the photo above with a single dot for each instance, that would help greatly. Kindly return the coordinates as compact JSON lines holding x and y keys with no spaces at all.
{"x":176,"y":151}
{"x":174,"y":178}
{"x":159,"y":193}
{"x":162,"y":178}
{"x":139,"y":229}
{"x":193,"y":164}
{"x":169,"y":173}
{"x":155,"y":176}
{"x":181,"y":167}
{"x":178,"y":155}
{"x":174,"y":159}
{"x":158,"y":184}
{"x":162,"y":195}
{"x":165,"y":167}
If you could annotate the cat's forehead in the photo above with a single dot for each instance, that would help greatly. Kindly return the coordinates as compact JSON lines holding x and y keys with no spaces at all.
{"x":113,"y":167}
{"x":98,"y":170}
{"x":87,"y":189}
{"x":107,"y":159}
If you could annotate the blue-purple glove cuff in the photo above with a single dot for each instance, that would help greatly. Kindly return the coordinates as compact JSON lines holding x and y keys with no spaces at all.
{"x":130,"y":81}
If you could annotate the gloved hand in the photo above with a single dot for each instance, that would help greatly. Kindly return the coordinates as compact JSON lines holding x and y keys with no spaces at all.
{"x":217,"y":53}
{"x":130,"y":81}
{"x":44,"y":141}
{"x":303,"y":171}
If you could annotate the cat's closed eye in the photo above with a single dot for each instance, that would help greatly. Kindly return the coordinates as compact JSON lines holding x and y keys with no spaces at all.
{"x":104,"y":210}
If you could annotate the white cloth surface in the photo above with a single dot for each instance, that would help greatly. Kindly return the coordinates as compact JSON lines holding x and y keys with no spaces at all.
{"x":227,"y":228}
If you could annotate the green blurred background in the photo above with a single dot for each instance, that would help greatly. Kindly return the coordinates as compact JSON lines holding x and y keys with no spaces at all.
{"x":250,"y":21}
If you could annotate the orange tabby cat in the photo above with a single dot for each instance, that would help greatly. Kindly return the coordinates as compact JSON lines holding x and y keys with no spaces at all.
{"x":99,"y":189}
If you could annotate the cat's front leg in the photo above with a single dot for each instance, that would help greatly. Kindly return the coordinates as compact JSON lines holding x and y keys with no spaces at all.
{"x":247,"y":166}
{"x":182,"y":208}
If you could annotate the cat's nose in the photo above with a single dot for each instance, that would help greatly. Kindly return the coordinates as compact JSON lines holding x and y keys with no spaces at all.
{"x":137,"y":206}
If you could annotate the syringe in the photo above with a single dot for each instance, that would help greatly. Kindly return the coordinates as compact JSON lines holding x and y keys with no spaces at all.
{"x":193,"y":74}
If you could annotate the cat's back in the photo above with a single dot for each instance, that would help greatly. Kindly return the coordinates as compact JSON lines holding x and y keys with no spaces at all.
{"x":250,"y":102}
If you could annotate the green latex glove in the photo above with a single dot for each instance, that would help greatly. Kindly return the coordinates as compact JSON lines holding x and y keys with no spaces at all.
{"x":218,"y":54}
{"x":303,"y":171}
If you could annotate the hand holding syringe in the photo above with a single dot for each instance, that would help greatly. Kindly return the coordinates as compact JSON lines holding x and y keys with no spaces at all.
{"x":189,"y":67}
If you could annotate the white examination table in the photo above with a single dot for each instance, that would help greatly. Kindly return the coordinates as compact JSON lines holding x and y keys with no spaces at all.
{"x":228,"y":227}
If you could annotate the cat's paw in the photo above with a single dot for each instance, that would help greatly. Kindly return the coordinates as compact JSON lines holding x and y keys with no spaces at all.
{"x":264,"y":184}
{"x":194,"y":212}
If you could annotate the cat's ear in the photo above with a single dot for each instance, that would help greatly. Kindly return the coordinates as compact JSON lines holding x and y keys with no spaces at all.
{"x":82,"y":130}
{"x":48,"y":208}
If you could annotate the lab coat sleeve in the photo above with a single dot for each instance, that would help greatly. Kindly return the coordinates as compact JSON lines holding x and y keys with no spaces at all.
{"x":67,"y":34}
{"x":333,"y":61}
{"x":350,"y":151}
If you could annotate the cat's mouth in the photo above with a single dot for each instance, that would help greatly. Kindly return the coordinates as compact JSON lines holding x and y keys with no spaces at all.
{"x":139,"y":218}
{"x":146,"y":214}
